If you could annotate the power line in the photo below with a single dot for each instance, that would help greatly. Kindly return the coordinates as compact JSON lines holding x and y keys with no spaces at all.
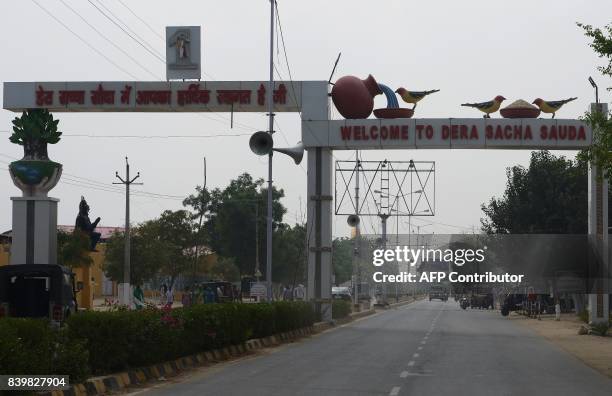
{"x":155,"y":54}
{"x":141,"y":20}
{"x":108,"y":40}
{"x":83,"y":135}
{"x":84,"y":41}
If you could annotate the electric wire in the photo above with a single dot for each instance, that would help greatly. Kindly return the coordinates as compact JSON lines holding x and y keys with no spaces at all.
{"x":109,"y":41}
{"x":93,"y":48}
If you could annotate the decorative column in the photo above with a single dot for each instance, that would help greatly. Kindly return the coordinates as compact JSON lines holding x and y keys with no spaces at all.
{"x":34,"y":234}
{"x":599,"y":284}
{"x":34,"y":239}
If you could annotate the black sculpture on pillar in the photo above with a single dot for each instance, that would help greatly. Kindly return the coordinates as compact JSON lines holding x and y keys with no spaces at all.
{"x":85,"y":225}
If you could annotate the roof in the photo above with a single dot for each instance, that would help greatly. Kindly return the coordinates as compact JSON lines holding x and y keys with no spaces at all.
{"x":105,"y":232}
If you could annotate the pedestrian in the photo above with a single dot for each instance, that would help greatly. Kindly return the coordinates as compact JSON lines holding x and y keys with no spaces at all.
{"x":162,"y":294}
{"x":169,"y":297}
{"x":139,"y":300}
{"x":186,"y":297}
{"x":287,"y":294}
{"x":209,"y":295}
{"x":298,"y":293}
{"x":236,"y":293}
{"x":219,"y":294}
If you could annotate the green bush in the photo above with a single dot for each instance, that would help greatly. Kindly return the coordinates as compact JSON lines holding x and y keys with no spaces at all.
{"x":32,"y":346}
{"x":123,"y":339}
{"x":106,"y":342}
{"x":341,"y":309}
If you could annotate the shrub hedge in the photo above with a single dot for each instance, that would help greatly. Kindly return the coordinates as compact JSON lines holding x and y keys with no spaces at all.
{"x":32,"y":346}
{"x":106,"y":342}
{"x":341,"y":309}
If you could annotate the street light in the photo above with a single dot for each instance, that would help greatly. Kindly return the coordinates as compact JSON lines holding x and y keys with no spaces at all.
{"x":596,"y":89}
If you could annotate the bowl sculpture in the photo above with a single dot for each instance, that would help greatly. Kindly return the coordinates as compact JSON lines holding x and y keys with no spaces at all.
{"x":393,"y":113}
{"x":520,"y":109}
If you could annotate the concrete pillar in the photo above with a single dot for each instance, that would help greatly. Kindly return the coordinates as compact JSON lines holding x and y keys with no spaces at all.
{"x":598,"y":297}
{"x":315,"y":106}
{"x":34,"y":239}
{"x":319,"y":232}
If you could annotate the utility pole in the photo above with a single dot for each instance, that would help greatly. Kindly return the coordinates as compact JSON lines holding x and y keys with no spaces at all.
{"x":271,"y":131}
{"x":125,"y":297}
{"x":356,"y":252}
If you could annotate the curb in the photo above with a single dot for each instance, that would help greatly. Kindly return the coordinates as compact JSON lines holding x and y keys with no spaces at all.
{"x":116,"y":382}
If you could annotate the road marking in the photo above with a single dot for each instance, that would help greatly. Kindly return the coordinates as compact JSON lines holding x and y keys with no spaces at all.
{"x":419,"y":348}
{"x":394,"y":391}
{"x":423,"y":342}
{"x":404,"y":374}
{"x":416,"y":355}
{"x":411,"y":363}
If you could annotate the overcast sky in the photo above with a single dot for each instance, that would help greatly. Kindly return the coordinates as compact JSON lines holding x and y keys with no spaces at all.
{"x":470,"y":50}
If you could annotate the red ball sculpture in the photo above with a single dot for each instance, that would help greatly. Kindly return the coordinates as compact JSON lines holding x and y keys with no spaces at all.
{"x":354,"y":98}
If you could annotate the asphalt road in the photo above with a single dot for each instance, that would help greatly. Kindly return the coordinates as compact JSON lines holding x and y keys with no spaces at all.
{"x":425,"y":348}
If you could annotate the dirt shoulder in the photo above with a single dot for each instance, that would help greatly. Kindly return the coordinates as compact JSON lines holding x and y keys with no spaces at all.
{"x":594,"y":351}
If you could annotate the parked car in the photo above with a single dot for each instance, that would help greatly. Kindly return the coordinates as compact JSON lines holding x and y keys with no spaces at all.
{"x":37,"y":291}
{"x":341,"y":293}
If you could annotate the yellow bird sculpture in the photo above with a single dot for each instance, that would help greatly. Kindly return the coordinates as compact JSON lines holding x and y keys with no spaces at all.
{"x":487,"y":107}
{"x":413,"y":96}
{"x":551,"y":106}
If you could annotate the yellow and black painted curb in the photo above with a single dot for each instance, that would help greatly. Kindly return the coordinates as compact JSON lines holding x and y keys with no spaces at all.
{"x":116,"y":382}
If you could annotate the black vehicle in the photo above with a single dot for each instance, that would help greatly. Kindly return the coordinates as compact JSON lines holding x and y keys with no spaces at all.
{"x":37,"y":291}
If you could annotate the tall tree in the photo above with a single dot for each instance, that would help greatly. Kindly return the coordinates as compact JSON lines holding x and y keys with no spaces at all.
{"x":548,"y":197}
{"x":199,"y":203}
{"x":73,"y":249}
{"x":148,"y":254}
{"x":175,"y":230}
{"x":289,"y":250}
{"x":600,"y":152}
{"x":342,"y":259}
{"x":231,"y":221}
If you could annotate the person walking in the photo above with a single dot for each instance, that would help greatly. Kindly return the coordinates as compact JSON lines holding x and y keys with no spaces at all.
{"x":139,"y":300}
{"x":299,"y":293}
{"x":169,"y":297}
{"x":162,"y":294}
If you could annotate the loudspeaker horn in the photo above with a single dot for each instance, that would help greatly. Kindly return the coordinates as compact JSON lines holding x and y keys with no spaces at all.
{"x":353,"y":220}
{"x":296,"y":152}
{"x":261,"y":143}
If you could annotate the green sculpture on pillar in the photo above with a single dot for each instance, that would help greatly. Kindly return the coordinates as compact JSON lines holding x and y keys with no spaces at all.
{"x":35,"y":174}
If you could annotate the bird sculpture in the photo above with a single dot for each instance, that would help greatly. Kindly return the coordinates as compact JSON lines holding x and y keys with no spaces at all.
{"x":551,"y":106}
{"x":413,"y":96}
{"x":487,"y":107}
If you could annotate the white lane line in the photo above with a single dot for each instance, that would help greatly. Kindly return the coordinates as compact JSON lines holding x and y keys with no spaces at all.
{"x":423,"y":342}
{"x":419,"y":348}
{"x":394,"y":391}
{"x":416,"y":355}
{"x":411,"y":363}
{"x":404,"y":374}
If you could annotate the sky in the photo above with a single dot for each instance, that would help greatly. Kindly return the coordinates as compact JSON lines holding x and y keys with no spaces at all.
{"x":470,"y":50}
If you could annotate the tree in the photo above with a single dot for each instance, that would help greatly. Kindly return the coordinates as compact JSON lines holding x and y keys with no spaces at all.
{"x":232,"y":216}
{"x":225,"y":269}
{"x":601,"y":44}
{"x":200,"y":208}
{"x":73,"y":249}
{"x":342,"y":259}
{"x":148,"y":254}
{"x":600,"y":152}
{"x":289,"y":250}
{"x":175,"y":230}
{"x":548,"y":197}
